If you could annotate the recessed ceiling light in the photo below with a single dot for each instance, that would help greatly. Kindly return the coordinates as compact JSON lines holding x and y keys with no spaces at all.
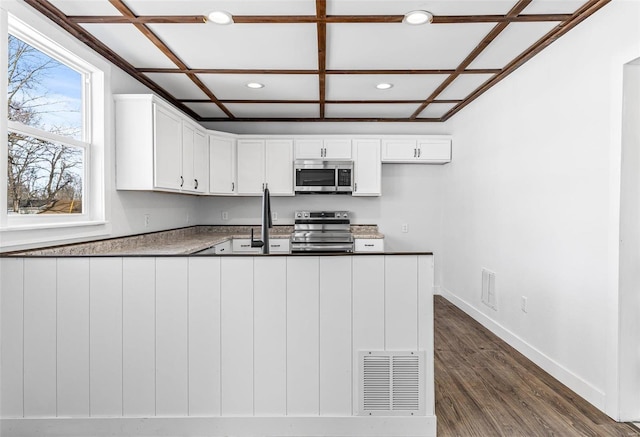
{"x":255,"y":85}
{"x":220,"y":17}
{"x":384,"y":86}
{"x":417,"y":17}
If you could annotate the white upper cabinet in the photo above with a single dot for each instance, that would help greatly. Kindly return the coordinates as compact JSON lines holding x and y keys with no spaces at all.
{"x":420,"y":150}
{"x":265,"y":163}
{"x":195,"y":155}
{"x":279,"y":167}
{"x":157,"y":148}
{"x":367,"y":167}
{"x":251,"y":162}
{"x":201,"y":161}
{"x":160,"y":149}
{"x":434,"y":150}
{"x":167,"y":149}
{"x":318,"y":148}
{"x":222,"y":165}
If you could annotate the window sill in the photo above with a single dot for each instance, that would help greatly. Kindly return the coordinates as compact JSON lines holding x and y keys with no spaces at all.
{"x":43,"y":226}
{"x":35,"y":236}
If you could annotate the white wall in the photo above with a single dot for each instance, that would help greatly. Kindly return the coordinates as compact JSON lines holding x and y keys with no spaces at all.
{"x":532,"y":194}
{"x":629,"y":298}
{"x":279,"y":128}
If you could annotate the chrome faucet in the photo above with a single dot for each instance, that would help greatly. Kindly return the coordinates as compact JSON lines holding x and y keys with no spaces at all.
{"x":266,"y":223}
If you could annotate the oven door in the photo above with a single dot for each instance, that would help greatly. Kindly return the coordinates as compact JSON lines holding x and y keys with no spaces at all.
{"x":325,"y":240}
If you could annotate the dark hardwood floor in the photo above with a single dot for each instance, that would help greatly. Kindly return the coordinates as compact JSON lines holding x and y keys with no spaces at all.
{"x":484,"y":387}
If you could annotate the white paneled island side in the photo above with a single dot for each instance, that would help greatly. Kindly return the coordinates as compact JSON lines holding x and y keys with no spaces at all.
{"x":241,"y":345}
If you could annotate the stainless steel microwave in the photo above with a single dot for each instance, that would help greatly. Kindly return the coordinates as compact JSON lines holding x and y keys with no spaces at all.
{"x":324,"y":177}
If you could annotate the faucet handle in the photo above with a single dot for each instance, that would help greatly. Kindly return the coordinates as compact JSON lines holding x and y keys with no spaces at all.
{"x":256,"y":243}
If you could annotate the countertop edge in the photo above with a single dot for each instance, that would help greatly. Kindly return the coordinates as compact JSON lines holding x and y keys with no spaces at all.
{"x":187,"y":255}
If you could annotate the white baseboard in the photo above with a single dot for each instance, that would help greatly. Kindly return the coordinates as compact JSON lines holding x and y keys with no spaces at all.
{"x":423,"y":426}
{"x":591,"y":394}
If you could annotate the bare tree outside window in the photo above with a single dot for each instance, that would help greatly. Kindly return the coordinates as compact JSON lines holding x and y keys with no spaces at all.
{"x":45,"y":175}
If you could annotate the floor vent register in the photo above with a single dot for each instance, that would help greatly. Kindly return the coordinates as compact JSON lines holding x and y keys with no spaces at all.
{"x":391,"y":383}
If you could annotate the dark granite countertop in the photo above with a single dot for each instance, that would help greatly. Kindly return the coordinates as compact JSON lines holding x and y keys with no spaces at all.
{"x":184,"y":241}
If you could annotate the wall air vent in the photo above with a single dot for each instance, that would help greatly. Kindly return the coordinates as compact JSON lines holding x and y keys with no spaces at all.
{"x":488,"y":295}
{"x":391,"y":383}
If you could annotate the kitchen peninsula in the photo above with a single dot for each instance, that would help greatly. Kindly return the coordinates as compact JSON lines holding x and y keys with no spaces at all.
{"x":243,"y":345}
{"x":192,"y":240}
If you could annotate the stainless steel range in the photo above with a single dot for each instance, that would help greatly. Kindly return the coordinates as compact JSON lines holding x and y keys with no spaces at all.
{"x":322,"y":231}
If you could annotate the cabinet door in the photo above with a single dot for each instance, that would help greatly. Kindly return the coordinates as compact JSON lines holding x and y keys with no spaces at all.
{"x":251,"y":161}
{"x":222,"y":165}
{"x":279,"y":245}
{"x":187,"y":158}
{"x":243,"y":245}
{"x":167,"y":149}
{"x":279,"y":167}
{"x":200,"y":162}
{"x":368,"y":245}
{"x":435,"y":151}
{"x":223,"y":248}
{"x":402,"y":150}
{"x":309,"y":149}
{"x":337,"y":149}
{"x":367,"y":168}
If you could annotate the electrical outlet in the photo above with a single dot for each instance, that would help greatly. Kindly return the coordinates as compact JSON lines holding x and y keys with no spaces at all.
{"x":225,"y":215}
{"x":523,"y":304}
{"x":405,"y":228}
{"x":188,"y":219}
{"x":147,"y":219}
{"x":274,"y":216}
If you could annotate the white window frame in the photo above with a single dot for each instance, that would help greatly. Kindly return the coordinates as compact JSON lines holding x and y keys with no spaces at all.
{"x":92,"y":141}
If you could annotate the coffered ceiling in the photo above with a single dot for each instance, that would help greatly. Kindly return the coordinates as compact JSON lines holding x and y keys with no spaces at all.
{"x":319,"y":60}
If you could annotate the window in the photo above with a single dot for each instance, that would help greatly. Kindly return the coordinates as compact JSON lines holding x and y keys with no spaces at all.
{"x":45,"y":168}
{"x":50,"y":177}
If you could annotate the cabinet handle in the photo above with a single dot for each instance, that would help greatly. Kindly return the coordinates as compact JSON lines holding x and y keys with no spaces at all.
{"x":196,"y":187}
{"x":181,"y":181}
{"x":355,"y":186}
{"x":222,"y":250}
{"x":368,"y":245}
{"x":415,"y":153}
{"x":233,"y":186}
{"x":419,"y":152}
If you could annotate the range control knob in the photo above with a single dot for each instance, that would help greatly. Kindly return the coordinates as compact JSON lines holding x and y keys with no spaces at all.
{"x":306,"y":214}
